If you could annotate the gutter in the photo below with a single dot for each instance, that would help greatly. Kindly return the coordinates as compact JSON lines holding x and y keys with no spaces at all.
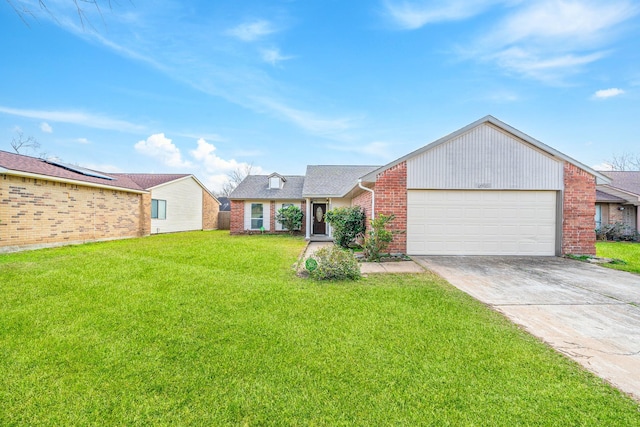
{"x":373,"y":198}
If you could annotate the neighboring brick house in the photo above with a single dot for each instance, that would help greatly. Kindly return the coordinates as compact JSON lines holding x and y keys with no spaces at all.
{"x":618,"y":201}
{"x":486,"y":189}
{"x":48,"y":203}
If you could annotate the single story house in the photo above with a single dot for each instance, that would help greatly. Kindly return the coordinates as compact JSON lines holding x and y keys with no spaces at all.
{"x":618,"y":201}
{"x":179,"y":202}
{"x":49,"y":203}
{"x":486,"y":189}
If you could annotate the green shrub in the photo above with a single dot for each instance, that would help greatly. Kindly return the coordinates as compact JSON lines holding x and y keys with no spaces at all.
{"x":335,"y":263}
{"x":290,"y":217}
{"x":378,"y":238}
{"x":347,"y":224}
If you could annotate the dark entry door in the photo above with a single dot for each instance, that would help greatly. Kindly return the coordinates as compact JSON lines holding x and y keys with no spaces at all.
{"x":319,"y":226}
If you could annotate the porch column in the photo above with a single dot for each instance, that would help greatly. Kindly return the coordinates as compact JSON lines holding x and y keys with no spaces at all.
{"x":307,"y":233}
{"x":329,"y":230}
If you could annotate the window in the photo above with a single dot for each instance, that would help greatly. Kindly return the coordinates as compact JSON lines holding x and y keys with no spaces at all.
{"x":598,"y":217}
{"x":257,"y":216}
{"x":158,"y":209}
{"x":274,"y":182}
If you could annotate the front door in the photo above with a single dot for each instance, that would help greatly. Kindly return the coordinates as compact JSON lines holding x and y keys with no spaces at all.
{"x":319,"y":226}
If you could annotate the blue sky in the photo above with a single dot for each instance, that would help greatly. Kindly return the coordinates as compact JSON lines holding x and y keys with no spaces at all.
{"x":211,"y":86}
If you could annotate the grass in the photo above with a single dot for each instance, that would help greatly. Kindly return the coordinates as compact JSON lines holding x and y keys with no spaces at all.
{"x":207,"y":329}
{"x":626,"y":251}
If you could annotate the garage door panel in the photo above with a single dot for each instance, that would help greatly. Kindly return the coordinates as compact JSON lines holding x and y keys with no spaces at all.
{"x":481,"y":222}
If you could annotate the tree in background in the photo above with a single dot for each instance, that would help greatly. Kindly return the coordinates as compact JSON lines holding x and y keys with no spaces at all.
{"x":234,"y":178}
{"x":24,"y":9}
{"x":22,"y":144}
{"x":625,"y":162}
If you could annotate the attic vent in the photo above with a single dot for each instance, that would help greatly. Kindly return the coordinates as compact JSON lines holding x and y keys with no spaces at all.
{"x":80,"y":170}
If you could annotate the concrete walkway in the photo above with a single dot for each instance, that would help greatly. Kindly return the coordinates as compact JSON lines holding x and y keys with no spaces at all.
{"x":366,"y":268}
{"x":587,"y":312}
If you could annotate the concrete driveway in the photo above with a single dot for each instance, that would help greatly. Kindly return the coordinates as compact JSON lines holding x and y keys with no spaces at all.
{"x":588,"y":312}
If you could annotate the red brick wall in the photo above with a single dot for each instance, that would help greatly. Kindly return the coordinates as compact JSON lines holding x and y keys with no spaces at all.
{"x":210,"y":209}
{"x":364,"y":201}
{"x":391,"y":198}
{"x":237,"y":217}
{"x":38,"y":212}
{"x":578,"y":227}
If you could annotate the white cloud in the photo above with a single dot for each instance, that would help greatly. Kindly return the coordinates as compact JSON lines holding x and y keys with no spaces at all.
{"x":577,"y":22}
{"x":46,"y":127}
{"x":163,"y":149}
{"x":541,"y":66}
{"x":251,"y":31}
{"x":82,"y":140}
{"x":75,"y":117}
{"x":217,"y":169}
{"x":205,"y":155}
{"x":608,"y":93}
{"x":605,"y":166}
{"x":549,"y":40}
{"x":273,"y":56}
{"x":305,"y":119}
{"x":411,"y":15}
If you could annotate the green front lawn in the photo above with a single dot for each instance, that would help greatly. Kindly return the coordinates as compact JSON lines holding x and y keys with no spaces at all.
{"x":626,"y":251}
{"x":207,"y":329}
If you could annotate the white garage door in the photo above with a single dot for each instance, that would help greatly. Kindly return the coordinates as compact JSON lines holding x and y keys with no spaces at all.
{"x":481,"y":222}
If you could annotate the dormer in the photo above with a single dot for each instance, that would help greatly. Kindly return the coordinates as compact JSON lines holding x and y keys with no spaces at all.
{"x":276,"y":181}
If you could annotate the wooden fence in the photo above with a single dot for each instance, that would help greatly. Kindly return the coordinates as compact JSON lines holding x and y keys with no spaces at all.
{"x":224,"y":220}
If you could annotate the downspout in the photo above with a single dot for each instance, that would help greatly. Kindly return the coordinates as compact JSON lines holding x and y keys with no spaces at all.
{"x":373,"y":198}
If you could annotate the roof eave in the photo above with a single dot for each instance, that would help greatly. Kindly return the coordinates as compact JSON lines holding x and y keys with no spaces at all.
{"x":71,"y":181}
{"x":630,"y":197}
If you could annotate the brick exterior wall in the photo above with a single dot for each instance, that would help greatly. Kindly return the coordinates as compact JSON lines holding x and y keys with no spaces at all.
{"x":390,"y":198}
{"x":145,"y":215}
{"x":364,"y":201}
{"x":210,"y":210}
{"x":237,"y":217}
{"x":39,"y":213}
{"x":578,"y":228}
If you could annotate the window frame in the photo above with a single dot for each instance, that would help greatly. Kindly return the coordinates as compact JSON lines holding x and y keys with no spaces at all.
{"x":160,"y":210}
{"x":253,"y":218}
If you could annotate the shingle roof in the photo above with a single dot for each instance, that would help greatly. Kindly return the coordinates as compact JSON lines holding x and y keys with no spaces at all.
{"x":333,"y":180}
{"x":17,"y":163}
{"x":601,"y":196}
{"x":257,"y":187}
{"x":150,"y":180}
{"x":625,"y":180}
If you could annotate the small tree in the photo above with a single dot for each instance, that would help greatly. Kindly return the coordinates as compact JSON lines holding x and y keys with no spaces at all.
{"x":290,"y":217}
{"x":378,"y":238}
{"x":347,"y":223}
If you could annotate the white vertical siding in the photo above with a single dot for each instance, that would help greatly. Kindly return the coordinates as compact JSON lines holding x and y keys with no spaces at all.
{"x":184,"y":206}
{"x":485,"y":158}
